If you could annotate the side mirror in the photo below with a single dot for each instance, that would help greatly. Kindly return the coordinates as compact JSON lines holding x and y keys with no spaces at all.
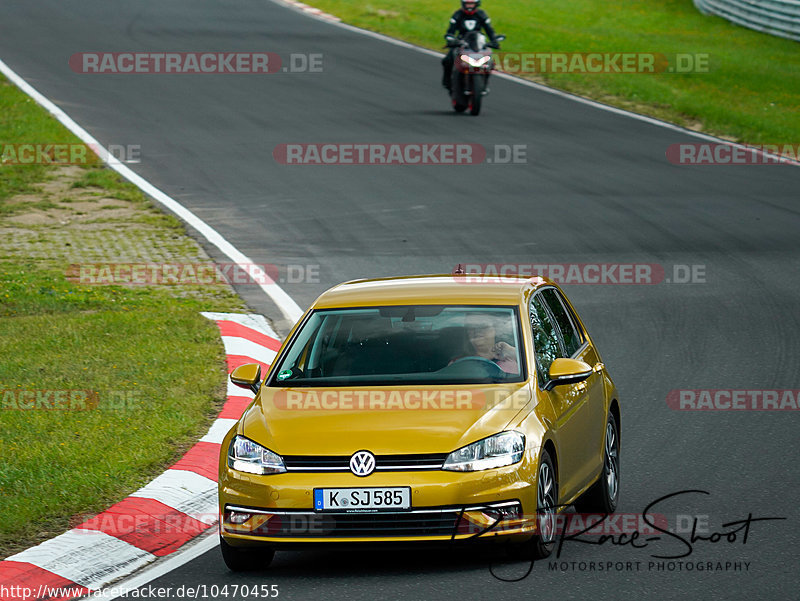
{"x":567,"y":371}
{"x":247,"y":376}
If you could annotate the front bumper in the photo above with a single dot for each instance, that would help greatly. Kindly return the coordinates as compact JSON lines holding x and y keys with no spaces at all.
{"x":445,"y":506}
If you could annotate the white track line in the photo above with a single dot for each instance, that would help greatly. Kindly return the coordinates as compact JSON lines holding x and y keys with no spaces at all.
{"x":234,"y":390}
{"x":241,"y":346}
{"x":85,"y":557}
{"x":189,"y":552}
{"x":287,"y":306}
{"x":251,"y":320}
{"x":176,"y":488}
{"x":218,"y":430}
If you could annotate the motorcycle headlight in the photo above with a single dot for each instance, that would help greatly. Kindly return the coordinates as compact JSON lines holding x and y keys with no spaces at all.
{"x":244,"y":455}
{"x":475,"y":62}
{"x":499,"y":450}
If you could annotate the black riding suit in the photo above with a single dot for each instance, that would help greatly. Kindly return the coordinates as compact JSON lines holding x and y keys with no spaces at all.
{"x":462,"y":23}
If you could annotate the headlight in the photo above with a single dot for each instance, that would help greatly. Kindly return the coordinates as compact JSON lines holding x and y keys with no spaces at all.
{"x":475,"y":62}
{"x":246,"y":456}
{"x":501,"y":449}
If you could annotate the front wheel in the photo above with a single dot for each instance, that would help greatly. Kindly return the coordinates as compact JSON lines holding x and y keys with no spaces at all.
{"x":541,"y":544}
{"x":475,"y":101}
{"x":603,"y":496}
{"x":246,"y":559}
{"x":459,"y":107}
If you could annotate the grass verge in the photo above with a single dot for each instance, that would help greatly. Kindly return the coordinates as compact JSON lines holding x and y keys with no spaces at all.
{"x":151,"y":366}
{"x":750,"y":93}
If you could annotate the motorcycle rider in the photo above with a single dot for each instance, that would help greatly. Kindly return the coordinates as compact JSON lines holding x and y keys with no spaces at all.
{"x":468,"y":18}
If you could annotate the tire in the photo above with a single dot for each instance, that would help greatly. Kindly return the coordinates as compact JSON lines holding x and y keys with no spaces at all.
{"x":541,"y":544}
{"x":460,"y":101}
{"x":246,"y":559}
{"x":603,"y":496}
{"x":476,"y":100}
{"x":458,"y":107}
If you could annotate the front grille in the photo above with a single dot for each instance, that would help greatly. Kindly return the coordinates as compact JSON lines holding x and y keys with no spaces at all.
{"x":341,"y":463}
{"x":342,"y":525}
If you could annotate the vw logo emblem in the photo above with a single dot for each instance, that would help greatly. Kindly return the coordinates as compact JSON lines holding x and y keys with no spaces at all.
{"x":362,"y":463}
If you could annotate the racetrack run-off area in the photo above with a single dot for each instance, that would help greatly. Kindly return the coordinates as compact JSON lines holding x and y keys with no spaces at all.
{"x":156,"y":520}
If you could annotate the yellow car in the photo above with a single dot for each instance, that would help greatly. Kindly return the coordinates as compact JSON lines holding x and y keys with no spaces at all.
{"x":422,"y":408}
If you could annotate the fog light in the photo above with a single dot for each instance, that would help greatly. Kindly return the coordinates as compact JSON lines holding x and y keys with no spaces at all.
{"x":508,"y":512}
{"x":234,"y":517}
{"x":489,"y":519}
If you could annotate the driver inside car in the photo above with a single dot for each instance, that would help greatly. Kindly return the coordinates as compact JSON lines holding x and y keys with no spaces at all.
{"x":481,"y":336}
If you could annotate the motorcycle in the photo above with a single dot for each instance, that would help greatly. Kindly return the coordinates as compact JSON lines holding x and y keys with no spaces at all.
{"x":471,"y":69}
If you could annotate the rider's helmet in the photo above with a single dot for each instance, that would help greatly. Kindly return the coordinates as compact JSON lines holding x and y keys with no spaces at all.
{"x":470,"y":6}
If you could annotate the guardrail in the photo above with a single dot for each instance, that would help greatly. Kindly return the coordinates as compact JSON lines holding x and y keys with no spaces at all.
{"x":777,"y":17}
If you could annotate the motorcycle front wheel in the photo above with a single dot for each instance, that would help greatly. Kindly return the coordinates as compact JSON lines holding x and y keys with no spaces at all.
{"x":477,"y":84}
{"x":460,"y":101}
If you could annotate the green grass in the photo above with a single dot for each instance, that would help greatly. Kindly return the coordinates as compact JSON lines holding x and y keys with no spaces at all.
{"x":751,"y":92}
{"x":153,"y":366}
{"x":23,"y":122}
{"x":111,"y":184}
{"x":156,"y":379}
{"x":12,"y":208}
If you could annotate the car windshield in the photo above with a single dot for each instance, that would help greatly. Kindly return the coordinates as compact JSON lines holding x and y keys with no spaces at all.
{"x":408,"y":344}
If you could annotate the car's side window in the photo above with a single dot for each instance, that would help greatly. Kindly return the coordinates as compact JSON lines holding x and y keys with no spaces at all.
{"x":545,"y":338}
{"x":569,"y":333}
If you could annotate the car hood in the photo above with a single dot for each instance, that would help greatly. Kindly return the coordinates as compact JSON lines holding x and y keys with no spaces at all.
{"x":383,"y":420}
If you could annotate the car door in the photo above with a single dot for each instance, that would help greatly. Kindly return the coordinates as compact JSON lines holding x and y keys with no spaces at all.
{"x":573,"y":406}
{"x":591,"y":413}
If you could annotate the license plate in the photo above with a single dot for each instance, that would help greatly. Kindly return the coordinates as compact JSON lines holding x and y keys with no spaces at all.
{"x":362,"y":499}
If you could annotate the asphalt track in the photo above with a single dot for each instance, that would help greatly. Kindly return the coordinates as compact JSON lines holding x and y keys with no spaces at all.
{"x":596,"y":188}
